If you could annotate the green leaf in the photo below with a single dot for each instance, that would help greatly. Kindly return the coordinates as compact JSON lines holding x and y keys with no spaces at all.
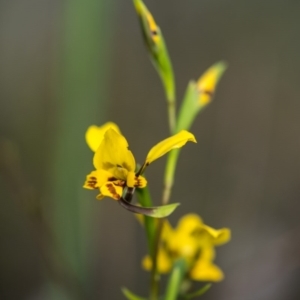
{"x":130,"y":296}
{"x":189,"y":108}
{"x":199,"y":94}
{"x":198,"y":293}
{"x":175,"y":279}
{"x":154,"y":212}
{"x":156,"y":46}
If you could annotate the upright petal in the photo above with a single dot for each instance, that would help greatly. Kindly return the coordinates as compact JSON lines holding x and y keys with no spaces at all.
{"x":176,"y":141}
{"x":207,"y":83}
{"x":113,"y":155}
{"x":94,"y":134}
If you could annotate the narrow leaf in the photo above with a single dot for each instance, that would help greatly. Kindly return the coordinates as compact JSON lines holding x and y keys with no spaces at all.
{"x":130,"y":296}
{"x":198,"y":293}
{"x":154,"y":212}
{"x":175,"y":280}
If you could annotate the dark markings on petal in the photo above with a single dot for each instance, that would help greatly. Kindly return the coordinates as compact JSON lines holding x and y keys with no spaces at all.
{"x":91,"y":182}
{"x":119,"y":183}
{"x":207,"y":92}
{"x":112,"y":190}
{"x":138,"y":182}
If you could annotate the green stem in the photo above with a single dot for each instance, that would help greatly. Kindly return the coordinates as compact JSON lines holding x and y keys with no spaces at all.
{"x":144,"y":198}
{"x":175,"y":280}
{"x":172,"y":115}
{"x":169,"y":175}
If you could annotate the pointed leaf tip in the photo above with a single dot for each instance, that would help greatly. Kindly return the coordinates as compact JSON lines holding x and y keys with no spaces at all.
{"x":154,"y":212}
{"x":129,"y":295}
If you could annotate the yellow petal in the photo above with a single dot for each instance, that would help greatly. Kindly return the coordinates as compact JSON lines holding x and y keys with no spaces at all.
{"x":100,"y":197}
{"x":176,"y":141}
{"x":220,"y":236}
{"x":94,"y":134}
{"x":208,"y":81}
{"x":204,"y":269}
{"x":188,"y":223}
{"x":113,"y":155}
{"x":97,"y":178}
{"x":91,"y":181}
{"x":164,"y":263}
{"x":110,"y":189}
{"x":206,"y":272}
{"x":167,"y":231}
{"x":136,"y":181}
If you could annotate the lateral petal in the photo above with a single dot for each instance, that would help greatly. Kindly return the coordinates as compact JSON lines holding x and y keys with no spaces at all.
{"x":176,"y":141}
{"x":110,"y":189}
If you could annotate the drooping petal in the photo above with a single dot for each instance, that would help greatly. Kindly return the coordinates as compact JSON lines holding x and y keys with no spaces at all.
{"x":113,"y":155}
{"x":112,"y":190}
{"x":204,"y":269}
{"x":94,"y":134}
{"x":206,"y":272}
{"x":97,"y":178}
{"x":91,"y":182}
{"x":176,"y":141}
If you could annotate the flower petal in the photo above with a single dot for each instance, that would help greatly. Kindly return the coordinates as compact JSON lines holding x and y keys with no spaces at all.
{"x":208,"y":81}
{"x":94,"y":134}
{"x":136,"y":181}
{"x":219,"y":236}
{"x":164,"y":263}
{"x":112,"y":190}
{"x":91,"y":181}
{"x":176,"y":141}
{"x":113,"y":155}
{"x":204,"y":269}
{"x":206,"y":272}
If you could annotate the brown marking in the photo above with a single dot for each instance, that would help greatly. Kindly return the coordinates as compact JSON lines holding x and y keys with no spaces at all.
{"x":91,"y":182}
{"x":112,"y":190}
{"x":207,"y":92}
{"x":138,"y":182}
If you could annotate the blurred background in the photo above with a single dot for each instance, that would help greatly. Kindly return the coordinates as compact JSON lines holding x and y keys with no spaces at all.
{"x":65,"y":65}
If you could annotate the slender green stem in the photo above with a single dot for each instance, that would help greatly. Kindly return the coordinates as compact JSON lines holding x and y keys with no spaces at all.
{"x":176,"y":277}
{"x":169,"y":175}
{"x":172,"y":115}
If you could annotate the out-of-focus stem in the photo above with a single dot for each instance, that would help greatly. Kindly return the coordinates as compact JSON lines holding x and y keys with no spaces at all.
{"x":172,"y":115}
{"x":169,"y":175}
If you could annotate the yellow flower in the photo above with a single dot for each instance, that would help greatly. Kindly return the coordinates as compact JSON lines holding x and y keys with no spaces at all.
{"x":194,"y":241}
{"x":115,"y":164}
{"x":207,"y":83}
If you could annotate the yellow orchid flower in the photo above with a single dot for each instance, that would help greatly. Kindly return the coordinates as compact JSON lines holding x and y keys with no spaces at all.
{"x":115,"y":164}
{"x":194,"y":241}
